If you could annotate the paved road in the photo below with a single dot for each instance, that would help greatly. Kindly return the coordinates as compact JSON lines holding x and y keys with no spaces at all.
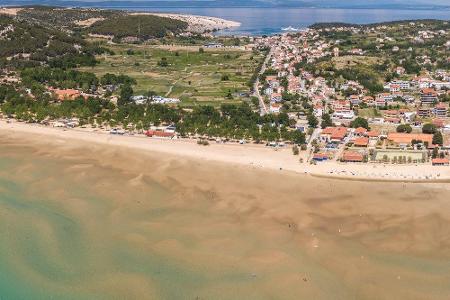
{"x":256,"y":87}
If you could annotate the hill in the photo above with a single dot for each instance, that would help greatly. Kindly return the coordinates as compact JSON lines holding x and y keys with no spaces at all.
{"x":27,"y":44}
{"x":67,"y":18}
{"x":139,"y":26}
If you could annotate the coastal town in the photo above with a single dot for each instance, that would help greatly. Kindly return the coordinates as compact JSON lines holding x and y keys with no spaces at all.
{"x":331,"y":94}
{"x":402,"y":120}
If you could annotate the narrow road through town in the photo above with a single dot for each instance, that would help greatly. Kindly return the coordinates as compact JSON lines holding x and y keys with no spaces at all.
{"x":262,"y":105}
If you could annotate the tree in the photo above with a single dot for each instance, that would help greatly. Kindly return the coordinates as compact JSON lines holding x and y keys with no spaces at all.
{"x":360,"y":122}
{"x":435,"y":153}
{"x":404,"y":128}
{"x":312,"y":121}
{"x":438,"y":139}
{"x":429,"y":128}
{"x":298,"y":137}
{"x":125,"y":94}
{"x":326,"y":121}
{"x":163,"y":62}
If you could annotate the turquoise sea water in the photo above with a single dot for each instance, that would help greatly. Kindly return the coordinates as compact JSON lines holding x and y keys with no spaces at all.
{"x":259,"y":21}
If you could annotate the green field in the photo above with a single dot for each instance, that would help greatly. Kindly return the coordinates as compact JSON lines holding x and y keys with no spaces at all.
{"x":190,"y":75}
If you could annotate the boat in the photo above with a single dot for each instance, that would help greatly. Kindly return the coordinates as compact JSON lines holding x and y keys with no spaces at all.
{"x":290,"y":28}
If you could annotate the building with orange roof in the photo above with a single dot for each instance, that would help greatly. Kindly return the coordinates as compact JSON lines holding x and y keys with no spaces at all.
{"x":361,"y":142}
{"x":360,"y":131}
{"x":439,"y":123}
{"x":407,"y":138}
{"x":352,"y":156}
{"x":440,"y":110}
{"x":440,"y":162}
{"x":333,"y":134}
{"x":67,"y":94}
{"x":373,"y":134}
{"x":159,"y":134}
{"x":428,"y":96}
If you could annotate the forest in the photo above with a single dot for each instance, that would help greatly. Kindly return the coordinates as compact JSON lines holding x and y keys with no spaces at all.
{"x":141,"y":26}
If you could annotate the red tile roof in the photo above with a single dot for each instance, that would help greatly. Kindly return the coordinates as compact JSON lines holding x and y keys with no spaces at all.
{"x":336,"y":133}
{"x":351,"y":156}
{"x":440,"y":161}
{"x":361,"y":142}
{"x":373,"y":134}
{"x":360,"y":130}
{"x":156,"y":133}
{"x":66,"y":94}
{"x":406,"y":138}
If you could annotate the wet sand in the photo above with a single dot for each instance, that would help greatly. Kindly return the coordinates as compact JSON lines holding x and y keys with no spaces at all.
{"x":84,"y":220}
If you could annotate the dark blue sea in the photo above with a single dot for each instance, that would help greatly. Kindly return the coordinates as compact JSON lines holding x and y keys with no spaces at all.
{"x":259,"y":21}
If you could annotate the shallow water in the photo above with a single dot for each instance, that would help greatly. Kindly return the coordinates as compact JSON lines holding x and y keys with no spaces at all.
{"x":91,"y":222}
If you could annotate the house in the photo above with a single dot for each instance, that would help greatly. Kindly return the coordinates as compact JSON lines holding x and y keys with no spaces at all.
{"x":276,"y":97}
{"x":361,"y":142}
{"x":424,"y":112}
{"x":391,"y":114}
{"x":360,"y":131}
{"x":394,"y":88}
{"x":333,"y":134}
{"x":352,"y":156}
{"x":67,"y":94}
{"x":275,"y":108}
{"x":383,"y":99}
{"x":440,"y":162}
{"x":440,"y":110}
{"x":318,"y":110}
{"x":354,"y":100}
{"x":369,"y":100}
{"x":373,"y":135}
{"x":428,"y":96}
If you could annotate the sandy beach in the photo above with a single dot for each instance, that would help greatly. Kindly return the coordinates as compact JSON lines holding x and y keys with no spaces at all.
{"x":198,"y":24}
{"x":249,"y":155}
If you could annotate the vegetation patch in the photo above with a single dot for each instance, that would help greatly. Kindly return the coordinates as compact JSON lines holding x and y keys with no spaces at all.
{"x":140,"y":26}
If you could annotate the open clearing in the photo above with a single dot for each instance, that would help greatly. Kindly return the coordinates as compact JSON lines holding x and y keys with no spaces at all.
{"x":193,"y":76}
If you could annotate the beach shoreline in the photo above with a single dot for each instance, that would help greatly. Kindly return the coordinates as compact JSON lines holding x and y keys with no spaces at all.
{"x":248,"y":155}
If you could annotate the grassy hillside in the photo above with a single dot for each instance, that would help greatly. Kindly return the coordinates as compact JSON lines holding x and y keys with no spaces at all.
{"x":140,"y":26}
